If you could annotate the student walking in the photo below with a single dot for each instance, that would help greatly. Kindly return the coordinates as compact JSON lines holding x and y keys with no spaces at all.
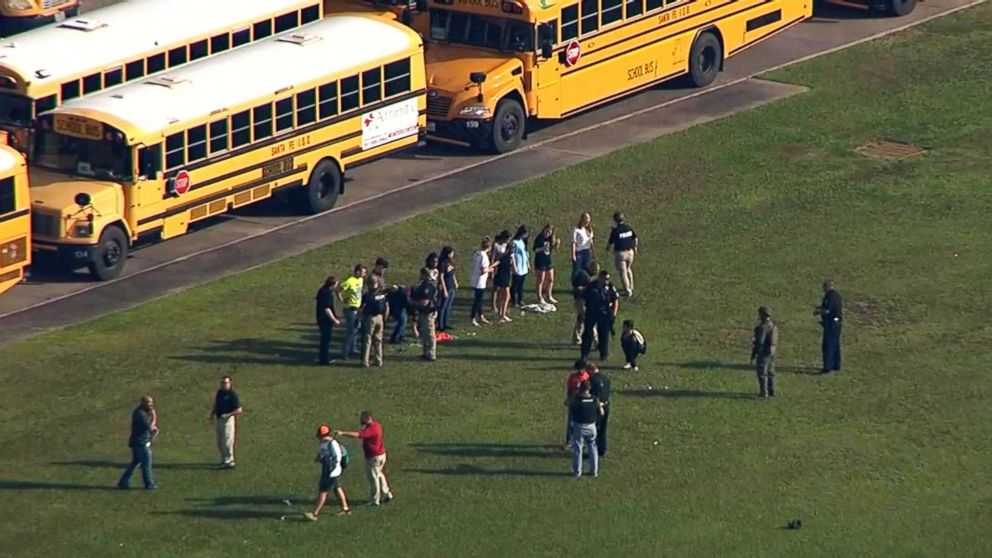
{"x":144,"y":428}
{"x":227,"y":407}
{"x":582,"y":239}
{"x":623,"y":243}
{"x":375,"y":312}
{"x":482,"y":267}
{"x":544,"y":246}
{"x":633,"y":345}
{"x":350,"y":292}
{"x":446,"y":266}
{"x":424,"y":299}
{"x":375,"y":457}
{"x":333,"y":460}
{"x":326,"y":318}
{"x":584,"y":412}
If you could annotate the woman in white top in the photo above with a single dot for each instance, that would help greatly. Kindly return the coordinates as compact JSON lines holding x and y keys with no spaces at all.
{"x":582,"y":237}
{"x":481,"y":268}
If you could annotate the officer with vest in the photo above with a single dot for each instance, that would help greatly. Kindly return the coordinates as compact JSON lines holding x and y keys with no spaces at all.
{"x":375,"y":312}
{"x":763,"y":352}
{"x":424,"y":300}
{"x":623,"y":244}
{"x":602,"y":304}
{"x":831,"y":314}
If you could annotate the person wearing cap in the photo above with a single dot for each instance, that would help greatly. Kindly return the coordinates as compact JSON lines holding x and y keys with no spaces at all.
{"x":424,"y":299}
{"x":831,"y":313}
{"x":623,"y":244}
{"x":144,"y":428}
{"x":763,"y":352}
{"x":331,"y":457}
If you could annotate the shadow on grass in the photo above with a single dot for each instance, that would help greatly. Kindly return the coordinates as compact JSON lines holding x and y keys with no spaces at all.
{"x":254,"y":500}
{"x":6,"y":484}
{"x":253,"y":351}
{"x":490,"y":450}
{"x":122,"y":464}
{"x":717,"y":365}
{"x":466,"y":469}
{"x":234,"y":514}
{"x":685,"y":393}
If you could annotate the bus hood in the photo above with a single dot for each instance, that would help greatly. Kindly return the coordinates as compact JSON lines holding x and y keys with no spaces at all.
{"x":53,"y":192}
{"x":448,"y":68}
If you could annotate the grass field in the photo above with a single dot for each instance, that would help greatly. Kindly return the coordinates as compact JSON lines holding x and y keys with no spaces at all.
{"x":891,"y":457}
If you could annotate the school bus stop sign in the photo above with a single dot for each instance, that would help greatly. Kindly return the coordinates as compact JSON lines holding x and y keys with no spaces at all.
{"x":182,"y":182}
{"x":572,"y":53}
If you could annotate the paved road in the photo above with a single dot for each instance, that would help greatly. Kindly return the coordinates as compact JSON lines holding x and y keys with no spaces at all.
{"x":433,"y":176}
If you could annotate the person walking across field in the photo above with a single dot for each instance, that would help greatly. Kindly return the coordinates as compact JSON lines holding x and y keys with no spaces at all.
{"x":584,"y":412}
{"x":623,"y":244}
{"x":333,"y":460}
{"x":375,"y":312}
{"x":326,"y":318}
{"x":763,"y":352}
{"x":579,"y":374}
{"x":602,"y":305}
{"x":350,"y":292}
{"x":375,"y":457}
{"x":227,"y":407}
{"x":424,"y":299}
{"x":599,"y":387}
{"x":144,"y":428}
{"x":831,"y":314}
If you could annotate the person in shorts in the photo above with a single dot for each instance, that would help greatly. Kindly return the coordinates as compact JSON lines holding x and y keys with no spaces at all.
{"x":544,"y":245}
{"x":331,"y":459}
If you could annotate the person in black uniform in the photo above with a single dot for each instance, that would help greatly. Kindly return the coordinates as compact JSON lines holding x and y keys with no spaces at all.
{"x":326,"y":318}
{"x":831,"y":315}
{"x":602,"y":304}
{"x":144,"y":428}
{"x":623,"y":244}
{"x":424,"y":298}
{"x":599,"y":387}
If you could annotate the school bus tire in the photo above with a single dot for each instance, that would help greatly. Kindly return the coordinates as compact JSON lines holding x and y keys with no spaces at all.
{"x":705,"y":59}
{"x":899,"y":8}
{"x":323,"y":187}
{"x":508,"y":126}
{"x":109,"y":255}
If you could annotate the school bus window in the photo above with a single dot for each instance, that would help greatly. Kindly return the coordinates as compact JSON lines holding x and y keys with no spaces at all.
{"x":306,"y":107}
{"x":398,"y":77}
{"x":653,"y":4}
{"x":519,"y":37}
{"x":70,"y":90}
{"x":113,"y":77}
{"x":198,"y":50}
{"x":220,"y":43}
{"x":570,"y":22}
{"x":349,"y":93}
{"x":45,"y":104}
{"x":218,"y":136}
{"x":242,"y":37}
{"x":634,"y":8}
{"x":612,"y":11}
{"x":371,"y":86}
{"x":262,"y":115}
{"x":286,"y":22}
{"x":175,"y":151}
{"x":328,"y":94}
{"x":310,"y":14}
{"x":92,"y":83}
{"x":156,"y":63}
{"x":196,"y":141}
{"x":177,"y":56}
{"x":481,"y":31}
{"x":670,"y":2}
{"x":590,"y":16}
{"x":83,"y":157}
{"x":8,"y":203}
{"x":262,"y":29}
{"x":284,"y":114}
{"x":150,"y":161}
{"x":240,"y":129}
{"x":135,"y":69}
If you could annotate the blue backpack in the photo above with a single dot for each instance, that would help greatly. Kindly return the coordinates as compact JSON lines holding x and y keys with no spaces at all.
{"x":345,"y":458}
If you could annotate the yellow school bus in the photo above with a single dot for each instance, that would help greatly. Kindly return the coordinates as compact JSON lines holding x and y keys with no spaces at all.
{"x":45,"y":67}
{"x":17,"y":16}
{"x":291,"y":113}
{"x":409,"y":12}
{"x":15,"y":218}
{"x":895,"y":8}
{"x":494,"y":64}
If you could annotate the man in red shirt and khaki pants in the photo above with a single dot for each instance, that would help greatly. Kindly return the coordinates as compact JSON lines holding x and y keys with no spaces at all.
{"x":375,"y":457}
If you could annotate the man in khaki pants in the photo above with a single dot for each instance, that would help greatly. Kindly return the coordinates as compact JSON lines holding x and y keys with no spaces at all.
{"x":225,"y":410}
{"x":623,"y":243}
{"x":375,"y":312}
{"x":424,"y":299}
{"x":375,"y":457}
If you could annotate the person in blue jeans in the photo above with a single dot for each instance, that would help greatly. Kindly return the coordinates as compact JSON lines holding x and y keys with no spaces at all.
{"x":584,"y":411}
{"x":350,"y":292}
{"x":399,"y":304}
{"x":144,"y":428}
{"x":446,"y":267}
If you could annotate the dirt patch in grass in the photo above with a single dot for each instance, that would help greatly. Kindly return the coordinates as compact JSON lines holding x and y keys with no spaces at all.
{"x":874,"y":312}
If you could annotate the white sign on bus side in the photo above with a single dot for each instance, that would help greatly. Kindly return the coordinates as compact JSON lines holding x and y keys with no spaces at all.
{"x":389,"y":123}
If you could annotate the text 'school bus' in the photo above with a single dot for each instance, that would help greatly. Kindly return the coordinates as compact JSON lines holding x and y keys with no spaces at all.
{"x":291,"y":113}
{"x":20,"y":15}
{"x":895,"y":8}
{"x":43,"y":68}
{"x":408,"y":12}
{"x":15,"y":218}
{"x":492,"y":64}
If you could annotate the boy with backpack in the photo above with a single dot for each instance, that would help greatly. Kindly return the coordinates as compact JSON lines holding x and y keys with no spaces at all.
{"x":333,"y":459}
{"x":633,"y":344}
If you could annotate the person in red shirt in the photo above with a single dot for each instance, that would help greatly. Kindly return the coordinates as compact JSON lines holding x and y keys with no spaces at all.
{"x":375,"y":457}
{"x":579,"y":374}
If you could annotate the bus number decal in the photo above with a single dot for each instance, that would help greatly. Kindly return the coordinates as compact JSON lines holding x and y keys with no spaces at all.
{"x":641,"y":70}
{"x":488,"y":4}
{"x":674,"y":14}
{"x":277,"y":167}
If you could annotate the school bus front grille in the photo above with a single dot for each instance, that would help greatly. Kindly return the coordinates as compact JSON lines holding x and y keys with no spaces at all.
{"x":46,"y":4}
{"x":438,"y":106}
{"x":43,"y":224}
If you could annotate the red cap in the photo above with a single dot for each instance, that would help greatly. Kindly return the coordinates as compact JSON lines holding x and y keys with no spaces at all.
{"x":323,"y":431}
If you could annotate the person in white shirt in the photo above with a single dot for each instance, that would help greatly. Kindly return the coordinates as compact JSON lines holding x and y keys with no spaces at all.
{"x":481,"y":268}
{"x":582,"y":237}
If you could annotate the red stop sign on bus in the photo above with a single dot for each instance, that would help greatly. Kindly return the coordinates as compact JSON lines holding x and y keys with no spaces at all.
{"x":572,"y":52}
{"x":182,"y":182}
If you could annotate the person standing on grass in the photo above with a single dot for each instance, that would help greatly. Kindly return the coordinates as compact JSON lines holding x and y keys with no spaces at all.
{"x":599,"y":387}
{"x":379,"y":269}
{"x":602,"y":306}
{"x":331,"y":457}
{"x":633,"y":345}
{"x":584,"y":412}
{"x":623,"y":244}
{"x":582,"y":237}
{"x":580,"y":282}
{"x":350,"y":292}
{"x":520,"y":258}
{"x":144,"y":428}
{"x":375,"y":457}
{"x":326,"y":318}
{"x":227,"y":407}
{"x":375,"y":312}
{"x":424,"y":299}
{"x":502,"y":255}
{"x":544,"y":245}
{"x":482,"y":267}
{"x":446,"y":267}
{"x":763,"y":352}
{"x":579,"y":374}
{"x":831,"y":314}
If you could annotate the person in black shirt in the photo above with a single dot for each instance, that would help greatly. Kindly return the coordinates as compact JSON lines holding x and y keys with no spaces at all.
{"x":375,"y":312}
{"x":424,"y":299}
{"x":144,"y":428}
{"x":226,"y":407}
{"x":399,"y":301}
{"x":831,"y":315}
{"x":584,"y":412}
{"x":326,"y":318}
{"x":602,"y":305}
{"x":599,"y":387}
{"x":580,"y":281}
{"x":623,"y":244}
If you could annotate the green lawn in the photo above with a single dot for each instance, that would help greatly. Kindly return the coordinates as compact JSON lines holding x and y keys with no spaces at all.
{"x":889,"y":458}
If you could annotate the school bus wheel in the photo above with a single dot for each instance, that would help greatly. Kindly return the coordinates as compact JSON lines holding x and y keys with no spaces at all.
{"x":108,"y":257}
{"x":508,"y":126}
{"x":323,"y":187}
{"x":900,"y":8}
{"x":705,"y":59}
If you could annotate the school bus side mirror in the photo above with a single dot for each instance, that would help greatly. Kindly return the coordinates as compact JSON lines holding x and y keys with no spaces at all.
{"x":82,"y":199}
{"x":546,"y":38}
{"x":477,"y":78}
{"x":547,"y":49}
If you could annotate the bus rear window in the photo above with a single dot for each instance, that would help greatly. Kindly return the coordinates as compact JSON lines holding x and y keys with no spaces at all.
{"x":8,"y":201}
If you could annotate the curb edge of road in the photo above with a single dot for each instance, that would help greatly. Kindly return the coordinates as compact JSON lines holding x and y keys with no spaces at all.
{"x":477,"y":164}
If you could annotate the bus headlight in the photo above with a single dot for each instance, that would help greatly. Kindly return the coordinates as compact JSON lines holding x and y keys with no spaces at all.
{"x":18,"y":4}
{"x":475,"y":111}
{"x":84,"y":229}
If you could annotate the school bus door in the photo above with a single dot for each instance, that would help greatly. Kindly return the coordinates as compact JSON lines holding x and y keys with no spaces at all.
{"x":546,"y":73}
